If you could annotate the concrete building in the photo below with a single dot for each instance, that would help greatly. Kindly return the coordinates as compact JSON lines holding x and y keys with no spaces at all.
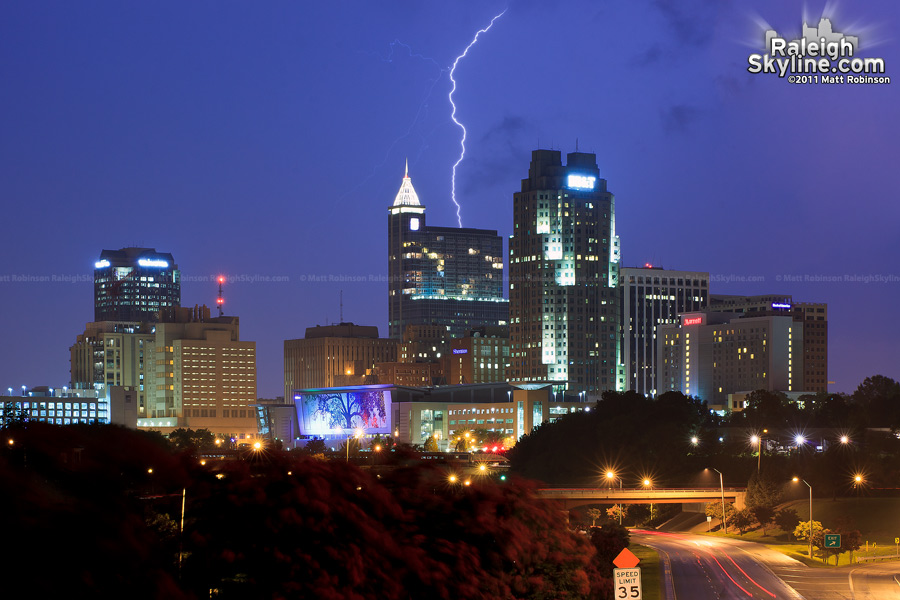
{"x":446,"y":276}
{"x":110,"y":354}
{"x":710,"y":355}
{"x":564,"y":269}
{"x":814,"y":319}
{"x":204,"y":376}
{"x":482,"y":356}
{"x":334,"y":355}
{"x":413,"y":414}
{"x":134,"y":284}
{"x":650,"y":297}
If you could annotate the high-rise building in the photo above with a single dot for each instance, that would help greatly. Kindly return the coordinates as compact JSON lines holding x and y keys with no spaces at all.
{"x":134,"y":284}
{"x":710,"y":355}
{"x":564,"y":269}
{"x":446,"y":276}
{"x":650,"y":297}
{"x":111,"y":353}
{"x":814,"y":319}
{"x":334,"y":355}
{"x":204,"y":375}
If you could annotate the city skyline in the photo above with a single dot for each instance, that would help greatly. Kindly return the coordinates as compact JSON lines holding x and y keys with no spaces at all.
{"x":263,"y":143}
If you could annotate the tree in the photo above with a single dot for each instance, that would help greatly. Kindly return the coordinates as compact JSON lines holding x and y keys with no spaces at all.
{"x":594,"y":514}
{"x":787,"y":520}
{"x":431,"y":444}
{"x":13,"y":414}
{"x":763,"y":491}
{"x":801,"y":532}
{"x":742,"y":520}
{"x":617,"y":512}
{"x":193,"y":440}
{"x":764,"y":516}
{"x":609,"y":541}
{"x":714,"y":510}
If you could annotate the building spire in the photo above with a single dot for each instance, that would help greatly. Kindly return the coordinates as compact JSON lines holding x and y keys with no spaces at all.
{"x":407,"y":195}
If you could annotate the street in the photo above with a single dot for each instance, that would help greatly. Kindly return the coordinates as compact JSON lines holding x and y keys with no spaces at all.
{"x":698,"y":567}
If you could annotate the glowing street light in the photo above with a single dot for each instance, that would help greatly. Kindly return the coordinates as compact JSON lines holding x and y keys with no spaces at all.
{"x":796,"y":479}
{"x":695,"y":440}
{"x":845,"y":440}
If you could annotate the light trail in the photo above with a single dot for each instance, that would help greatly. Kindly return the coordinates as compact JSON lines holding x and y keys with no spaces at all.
{"x":462,"y":142}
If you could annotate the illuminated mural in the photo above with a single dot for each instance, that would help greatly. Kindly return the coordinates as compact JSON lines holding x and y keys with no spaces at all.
{"x":364,"y":409}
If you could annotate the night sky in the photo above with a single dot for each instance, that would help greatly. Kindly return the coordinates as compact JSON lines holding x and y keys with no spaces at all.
{"x":266,"y":140}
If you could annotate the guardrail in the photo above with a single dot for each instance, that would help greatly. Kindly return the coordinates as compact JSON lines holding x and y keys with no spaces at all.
{"x":877,"y":557}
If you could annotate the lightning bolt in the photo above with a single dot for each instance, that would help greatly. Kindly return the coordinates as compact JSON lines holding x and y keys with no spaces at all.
{"x":462,"y":142}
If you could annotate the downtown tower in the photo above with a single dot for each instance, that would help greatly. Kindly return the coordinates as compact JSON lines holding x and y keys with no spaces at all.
{"x":564,"y":268}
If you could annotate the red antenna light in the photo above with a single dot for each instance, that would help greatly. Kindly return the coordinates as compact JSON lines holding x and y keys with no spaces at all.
{"x":220,"y":301}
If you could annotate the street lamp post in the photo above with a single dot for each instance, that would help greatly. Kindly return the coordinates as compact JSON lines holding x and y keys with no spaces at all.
{"x":722,"y":486}
{"x":610,"y":476}
{"x":809,"y":532}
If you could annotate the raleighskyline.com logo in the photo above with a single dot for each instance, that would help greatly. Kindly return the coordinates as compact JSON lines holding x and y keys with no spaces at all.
{"x":820,"y":55}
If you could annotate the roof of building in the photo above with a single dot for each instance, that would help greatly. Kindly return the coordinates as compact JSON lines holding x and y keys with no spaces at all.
{"x":407,"y":195}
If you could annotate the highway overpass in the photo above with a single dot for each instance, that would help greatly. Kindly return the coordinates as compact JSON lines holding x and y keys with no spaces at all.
{"x":574,"y":497}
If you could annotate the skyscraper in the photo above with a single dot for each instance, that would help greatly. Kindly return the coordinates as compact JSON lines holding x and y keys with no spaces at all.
{"x":564,"y":267}
{"x":651,"y":297}
{"x":447,"y":276}
{"x":134,"y":284}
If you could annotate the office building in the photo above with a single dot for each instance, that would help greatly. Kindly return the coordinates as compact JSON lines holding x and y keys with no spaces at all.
{"x":650,"y":297}
{"x":134,"y":284}
{"x":333,"y":355}
{"x":564,"y":268}
{"x":446,"y":276}
{"x":710,"y":355}
{"x":204,"y":376}
{"x":814,"y":319}
{"x":482,"y":356}
{"x":114,"y":354}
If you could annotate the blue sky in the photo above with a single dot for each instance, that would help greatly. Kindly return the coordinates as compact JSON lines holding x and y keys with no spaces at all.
{"x":268,"y":139}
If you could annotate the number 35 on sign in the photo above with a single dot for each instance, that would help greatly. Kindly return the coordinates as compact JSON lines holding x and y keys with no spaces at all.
{"x":628,"y":584}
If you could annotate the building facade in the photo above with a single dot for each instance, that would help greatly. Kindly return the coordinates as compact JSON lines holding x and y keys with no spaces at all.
{"x":814,"y":319}
{"x":204,"y":376}
{"x":334,"y":355}
{"x":110,"y":354}
{"x":414,"y":414}
{"x":564,"y":269}
{"x":482,"y":356}
{"x":134,"y":284}
{"x":651,"y":297}
{"x":446,"y":276}
{"x":710,"y":355}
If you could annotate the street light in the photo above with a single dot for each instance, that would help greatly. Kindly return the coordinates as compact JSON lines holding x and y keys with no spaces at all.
{"x":722,"y":485}
{"x":810,"y":513}
{"x":695,"y":440}
{"x":610,"y":476}
{"x":758,"y":442}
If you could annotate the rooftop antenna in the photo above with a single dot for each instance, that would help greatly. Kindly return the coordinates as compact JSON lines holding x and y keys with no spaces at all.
{"x":342,"y":294}
{"x":576,"y":144}
{"x":220,"y":300}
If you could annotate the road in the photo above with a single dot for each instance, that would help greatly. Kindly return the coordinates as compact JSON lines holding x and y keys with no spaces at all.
{"x":695,"y":567}
{"x":702,"y":567}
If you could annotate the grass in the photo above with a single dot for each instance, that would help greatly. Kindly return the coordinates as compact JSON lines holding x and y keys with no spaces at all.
{"x":877,"y":519}
{"x":649,"y":571}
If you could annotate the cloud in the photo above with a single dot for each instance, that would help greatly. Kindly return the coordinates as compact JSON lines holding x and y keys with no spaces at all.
{"x":691,"y":22}
{"x":677,"y":118}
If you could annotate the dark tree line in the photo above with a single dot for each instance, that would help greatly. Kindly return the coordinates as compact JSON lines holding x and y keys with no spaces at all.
{"x":99,"y":507}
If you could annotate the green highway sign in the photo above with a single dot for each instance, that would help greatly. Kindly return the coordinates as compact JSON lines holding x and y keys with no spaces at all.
{"x":832,"y":540}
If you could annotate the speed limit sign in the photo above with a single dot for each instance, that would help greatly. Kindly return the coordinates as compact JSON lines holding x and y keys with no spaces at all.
{"x":628,"y":584}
